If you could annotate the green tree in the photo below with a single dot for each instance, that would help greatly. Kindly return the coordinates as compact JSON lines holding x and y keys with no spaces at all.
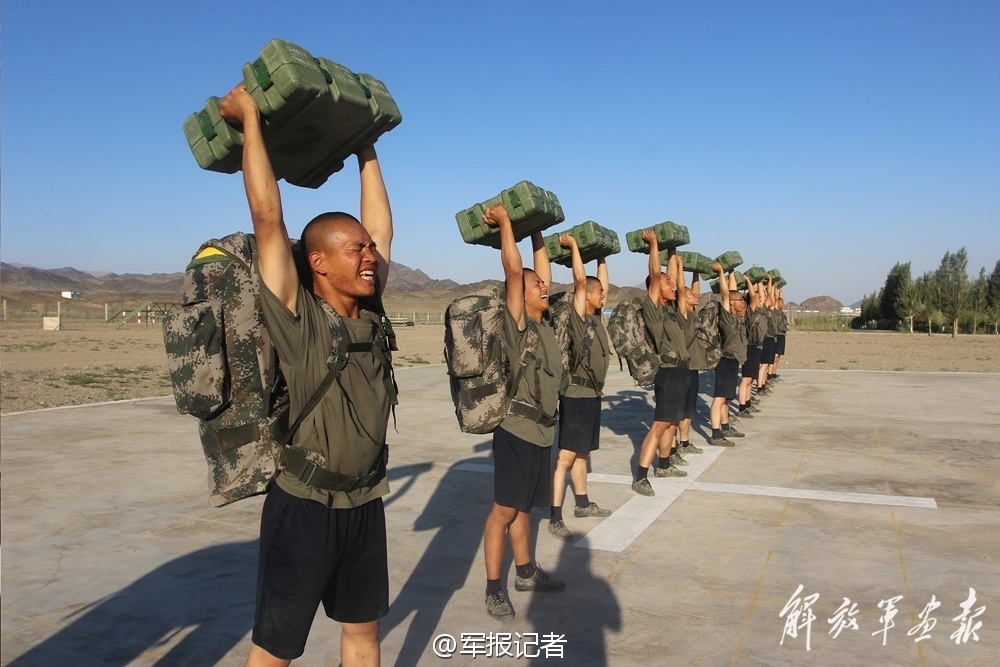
{"x":892,"y":298}
{"x":952,"y":282}
{"x":925,"y":300}
{"x":870,"y":308}
{"x":977,"y":300}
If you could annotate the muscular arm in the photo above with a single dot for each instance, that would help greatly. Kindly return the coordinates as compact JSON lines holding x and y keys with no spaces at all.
{"x":540,"y":259}
{"x":602,"y":275}
{"x":510,"y":257}
{"x":654,"y":265}
{"x":277,"y":266}
{"x":579,"y":275}
{"x":723,"y":285}
{"x":675,"y":270}
{"x":376,"y":216}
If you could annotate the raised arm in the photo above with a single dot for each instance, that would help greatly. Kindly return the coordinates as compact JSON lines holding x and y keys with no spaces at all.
{"x":540,"y":259}
{"x":602,"y":275}
{"x":579,"y":275}
{"x":723,"y":284}
{"x":649,"y":236}
{"x":675,"y":270}
{"x":376,"y":216}
{"x":510,"y":257}
{"x":276,"y":264}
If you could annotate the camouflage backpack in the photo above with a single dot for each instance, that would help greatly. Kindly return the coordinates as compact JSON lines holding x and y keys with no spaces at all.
{"x":479,"y":363}
{"x":632,"y":341}
{"x":224,"y":369}
{"x":706,"y":355}
{"x":560,"y":311}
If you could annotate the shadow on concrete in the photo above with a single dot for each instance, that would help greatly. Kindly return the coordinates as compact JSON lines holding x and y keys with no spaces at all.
{"x":628,"y":413}
{"x":205,"y":597}
{"x":571,"y":626}
{"x":455,"y":511}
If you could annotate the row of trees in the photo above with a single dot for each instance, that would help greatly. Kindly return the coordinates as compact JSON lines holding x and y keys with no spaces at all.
{"x":943,"y":299}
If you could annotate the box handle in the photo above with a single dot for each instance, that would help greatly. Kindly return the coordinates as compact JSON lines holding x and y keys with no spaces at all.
{"x":368,"y":92}
{"x":326,"y":73}
{"x":514,"y":199}
{"x":260,"y":73}
{"x":207,"y":129}
{"x":473,"y":220}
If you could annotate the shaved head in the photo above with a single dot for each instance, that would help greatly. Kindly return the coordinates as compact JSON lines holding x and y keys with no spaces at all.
{"x":323,"y":230}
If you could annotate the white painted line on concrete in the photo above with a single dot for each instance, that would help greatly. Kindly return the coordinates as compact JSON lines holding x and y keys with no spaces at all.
{"x":809,"y":494}
{"x":628,"y":522}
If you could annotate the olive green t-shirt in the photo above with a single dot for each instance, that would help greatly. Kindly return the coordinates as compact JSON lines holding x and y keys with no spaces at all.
{"x":348,"y":427}
{"x":734,"y":335}
{"x":595,"y":365}
{"x":539,"y":384}
{"x":665,"y":326}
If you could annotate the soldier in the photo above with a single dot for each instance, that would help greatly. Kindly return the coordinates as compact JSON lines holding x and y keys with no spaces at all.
{"x":756,"y":329}
{"x":522,"y":442}
{"x":779,"y":341}
{"x":692,"y":296}
{"x":672,"y":379}
{"x":344,"y":436}
{"x":767,"y":350}
{"x":580,"y":407}
{"x":734,"y":353}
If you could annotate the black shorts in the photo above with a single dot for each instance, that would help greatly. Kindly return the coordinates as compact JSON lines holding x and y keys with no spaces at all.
{"x":522,"y":472}
{"x":692,"y":396}
{"x":751,"y":367}
{"x":310,"y":554}
{"x":726,"y":378}
{"x":670,"y":390}
{"x":580,"y":424}
{"x":779,"y":344}
{"x":767,"y":354}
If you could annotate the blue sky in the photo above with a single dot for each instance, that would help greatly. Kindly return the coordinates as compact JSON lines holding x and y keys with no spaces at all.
{"x":829,"y":139}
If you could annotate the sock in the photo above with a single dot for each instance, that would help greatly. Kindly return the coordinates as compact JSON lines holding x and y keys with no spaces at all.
{"x":583,"y":501}
{"x":492,"y":586}
{"x":716,"y":433}
{"x":743,"y":407}
{"x":525,"y":571}
{"x":725,"y":427}
{"x":642,"y":474}
{"x":685,"y":443}
{"x":663,"y":463}
{"x":556,"y":514}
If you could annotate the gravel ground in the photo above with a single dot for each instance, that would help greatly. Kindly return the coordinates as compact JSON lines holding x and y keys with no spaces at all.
{"x":91,"y":363}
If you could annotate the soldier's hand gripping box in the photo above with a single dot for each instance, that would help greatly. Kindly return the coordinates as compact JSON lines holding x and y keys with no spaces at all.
{"x":729,"y":260}
{"x":315,"y":114}
{"x":593,"y":240}
{"x":668,"y":235}
{"x":531,"y":209}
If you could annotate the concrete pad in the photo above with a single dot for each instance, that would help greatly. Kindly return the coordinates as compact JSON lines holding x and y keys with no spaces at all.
{"x":859,"y":485}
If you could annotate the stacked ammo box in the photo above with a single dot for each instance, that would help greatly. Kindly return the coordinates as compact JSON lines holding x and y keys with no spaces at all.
{"x":593,"y":240}
{"x":531,"y":209}
{"x":741,"y":282}
{"x":315,"y":114}
{"x":755,"y":274}
{"x":694,"y":262}
{"x":668,"y":235}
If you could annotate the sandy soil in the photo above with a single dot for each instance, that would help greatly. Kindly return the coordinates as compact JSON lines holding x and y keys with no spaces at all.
{"x":89,"y":362}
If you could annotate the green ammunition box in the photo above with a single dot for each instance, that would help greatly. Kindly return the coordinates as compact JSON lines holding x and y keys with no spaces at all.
{"x":729,"y":260}
{"x":693,"y":262}
{"x":756,"y":273}
{"x":593,"y":240}
{"x":668,"y":235}
{"x":315,"y":115}
{"x":774,"y":273}
{"x":741,"y":282}
{"x":531,"y":209}
{"x":216,"y":145}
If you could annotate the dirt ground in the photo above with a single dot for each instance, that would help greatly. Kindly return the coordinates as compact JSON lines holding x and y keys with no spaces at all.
{"x":90,"y":362}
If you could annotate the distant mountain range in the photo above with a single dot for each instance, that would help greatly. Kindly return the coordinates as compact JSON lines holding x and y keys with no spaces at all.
{"x":402,"y":279}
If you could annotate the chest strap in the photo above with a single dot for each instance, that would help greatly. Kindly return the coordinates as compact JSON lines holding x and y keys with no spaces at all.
{"x":531,"y":412}
{"x":582,"y":381}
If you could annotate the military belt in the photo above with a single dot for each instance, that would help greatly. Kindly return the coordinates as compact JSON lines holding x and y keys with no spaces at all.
{"x":294,"y":461}
{"x":536,"y":415}
{"x":673,"y":362}
{"x":582,"y":381}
